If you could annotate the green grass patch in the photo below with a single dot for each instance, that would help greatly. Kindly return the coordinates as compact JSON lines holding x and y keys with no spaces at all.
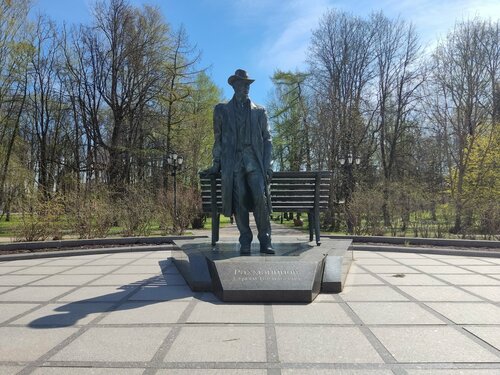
{"x":224,"y":222}
{"x":8,"y":228}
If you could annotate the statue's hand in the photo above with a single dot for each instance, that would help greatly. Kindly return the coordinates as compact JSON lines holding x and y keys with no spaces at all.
{"x":214,"y":169}
{"x":269,"y":175}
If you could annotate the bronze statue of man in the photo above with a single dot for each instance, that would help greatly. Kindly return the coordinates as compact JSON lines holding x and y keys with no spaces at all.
{"x":242,"y":154}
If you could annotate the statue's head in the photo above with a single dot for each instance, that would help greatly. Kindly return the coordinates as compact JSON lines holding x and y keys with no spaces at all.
{"x":240,"y":83}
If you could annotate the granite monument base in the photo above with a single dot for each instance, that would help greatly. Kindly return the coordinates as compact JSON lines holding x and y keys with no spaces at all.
{"x":298,"y":271}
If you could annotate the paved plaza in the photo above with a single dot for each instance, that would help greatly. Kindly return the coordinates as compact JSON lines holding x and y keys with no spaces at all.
{"x":132,"y":313}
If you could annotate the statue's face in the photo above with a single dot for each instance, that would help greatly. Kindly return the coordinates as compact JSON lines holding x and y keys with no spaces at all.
{"x":241,"y":89}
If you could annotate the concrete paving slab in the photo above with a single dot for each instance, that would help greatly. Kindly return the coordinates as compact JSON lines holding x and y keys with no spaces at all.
{"x":165,"y":254}
{"x":154,"y":269}
{"x":314,"y":313}
{"x":10,"y":370}
{"x":65,"y":280}
{"x":18,"y":280}
{"x":457,"y":371}
{"x":34,"y":293}
{"x":422,"y":262}
{"x":490,"y":292}
{"x":375,"y":261}
{"x":5,"y":288}
{"x":169,"y":280}
{"x":129,"y":255}
{"x":42,"y":270}
{"x":10,"y":310}
{"x":465,"y":261}
{"x":90,"y":270}
{"x":28,"y":344}
{"x":145,"y":313}
{"x":393,"y":313}
{"x":485,"y":270}
{"x":69,"y":261}
{"x":367,"y":254}
{"x":324,"y":345}
{"x":470,"y":280}
{"x":371,"y":293}
{"x":438,"y":293}
{"x":400,"y":255}
{"x":225,"y":371}
{"x":411,"y":279}
{"x":431,"y":344}
{"x":63,"y":315}
{"x":120,"y":344}
{"x":305,"y":371}
{"x":206,"y":312}
{"x":25,"y":262}
{"x":146,"y":262}
{"x":390,"y":269}
{"x":86,"y":371}
{"x":110,"y":262}
{"x":219,"y":344}
{"x":6,"y":269}
{"x":356,"y":269}
{"x":119,"y":280}
{"x":468,"y":312}
{"x":362,"y":279}
{"x":163,"y":293}
{"x":98,"y":293}
{"x":438,"y":270}
{"x":489,"y":334}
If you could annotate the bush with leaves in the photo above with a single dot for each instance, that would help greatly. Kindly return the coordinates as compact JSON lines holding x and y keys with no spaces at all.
{"x":365,"y":211}
{"x":188,"y":208}
{"x":90,"y":212}
{"x":41,"y":217}
{"x":136,"y":211}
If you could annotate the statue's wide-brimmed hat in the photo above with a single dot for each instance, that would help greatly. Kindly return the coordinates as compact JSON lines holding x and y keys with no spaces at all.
{"x":239,"y":75}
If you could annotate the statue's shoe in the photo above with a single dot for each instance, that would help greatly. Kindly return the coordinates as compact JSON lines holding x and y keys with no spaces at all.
{"x":267,"y":249}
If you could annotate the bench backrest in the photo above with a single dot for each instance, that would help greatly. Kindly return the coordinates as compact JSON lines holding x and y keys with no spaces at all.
{"x":290,"y":191}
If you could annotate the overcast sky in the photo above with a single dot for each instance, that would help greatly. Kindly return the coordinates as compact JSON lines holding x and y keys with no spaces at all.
{"x":261,"y":36}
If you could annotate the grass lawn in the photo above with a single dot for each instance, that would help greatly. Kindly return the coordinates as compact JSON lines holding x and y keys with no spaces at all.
{"x":8,"y":228}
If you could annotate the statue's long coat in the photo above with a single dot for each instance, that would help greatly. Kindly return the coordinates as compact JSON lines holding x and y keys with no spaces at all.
{"x":224,"y":151}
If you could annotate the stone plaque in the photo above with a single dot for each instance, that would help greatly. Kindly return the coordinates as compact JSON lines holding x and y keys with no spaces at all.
{"x":279,"y":281}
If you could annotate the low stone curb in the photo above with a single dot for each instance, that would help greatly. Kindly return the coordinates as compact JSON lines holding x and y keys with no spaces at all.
{"x":419,"y":241}
{"x":492,"y":253}
{"x":92,"y":242}
{"x":73,"y":252}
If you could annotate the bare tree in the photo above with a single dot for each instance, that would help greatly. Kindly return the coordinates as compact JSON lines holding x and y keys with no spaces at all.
{"x":13,"y":62}
{"x":341,"y":59}
{"x":181,"y":74}
{"x":461,"y":106}
{"x":398,"y":75}
{"x":289,"y":115}
{"x":46,"y":107}
{"x":127,"y":48}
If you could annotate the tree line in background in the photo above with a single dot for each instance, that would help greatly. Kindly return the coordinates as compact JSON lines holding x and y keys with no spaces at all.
{"x":412,"y":136}
{"x":90,"y":113}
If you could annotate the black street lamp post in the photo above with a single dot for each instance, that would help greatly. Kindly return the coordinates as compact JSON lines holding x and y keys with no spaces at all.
{"x":175,"y":163}
{"x":348,"y":163}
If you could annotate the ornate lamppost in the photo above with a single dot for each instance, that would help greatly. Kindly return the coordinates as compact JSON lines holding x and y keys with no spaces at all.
{"x":175,"y":164}
{"x":348,"y":163}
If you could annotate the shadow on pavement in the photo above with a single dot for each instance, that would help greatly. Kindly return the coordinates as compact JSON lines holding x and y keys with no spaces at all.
{"x":145,"y":292}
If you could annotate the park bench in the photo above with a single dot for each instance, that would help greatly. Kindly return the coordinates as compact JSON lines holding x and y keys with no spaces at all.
{"x":304,"y":192}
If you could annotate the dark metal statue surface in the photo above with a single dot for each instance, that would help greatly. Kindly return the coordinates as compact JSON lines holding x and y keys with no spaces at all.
{"x":242,"y":154}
